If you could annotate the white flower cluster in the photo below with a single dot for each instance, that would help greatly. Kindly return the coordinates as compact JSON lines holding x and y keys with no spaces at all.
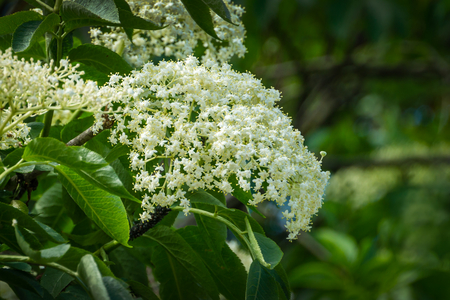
{"x":215,"y":129}
{"x":31,"y":88}
{"x":179,"y":38}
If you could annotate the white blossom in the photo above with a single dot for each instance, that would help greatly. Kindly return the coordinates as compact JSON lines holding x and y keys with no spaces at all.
{"x":214,"y":128}
{"x":181,"y":36}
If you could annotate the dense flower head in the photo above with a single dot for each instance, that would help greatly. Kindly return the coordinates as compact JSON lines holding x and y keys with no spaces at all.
{"x":179,"y":38}
{"x":208,"y":127}
{"x":32,"y":88}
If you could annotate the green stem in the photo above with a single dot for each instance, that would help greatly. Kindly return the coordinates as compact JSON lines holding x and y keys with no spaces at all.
{"x":47,"y":123}
{"x":20,"y":164}
{"x":57,"y":6}
{"x":26,"y":259}
{"x":110,"y":246}
{"x":44,"y":5}
{"x":230,"y":225}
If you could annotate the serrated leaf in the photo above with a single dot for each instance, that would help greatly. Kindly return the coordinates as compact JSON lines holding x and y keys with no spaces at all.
{"x":260,"y":284}
{"x":93,"y":238}
{"x":128,"y":20}
{"x":40,"y":256}
{"x":127,"y":266}
{"x":54,"y":281}
{"x":19,"y":279}
{"x":220,"y":9}
{"x":91,"y":73}
{"x":107,"y":179}
{"x":35,"y":129}
{"x":72,"y":209}
{"x":101,"y":58}
{"x":116,"y":152}
{"x":28,"y":33}
{"x":9,"y":24}
{"x":8,"y":213}
{"x":50,"y":149}
{"x":105,"y":209}
{"x":90,"y":274}
{"x":50,"y":209}
{"x":203,"y":197}
{"x":225,"y":267}
{"x":115,"y":289}
{"x":180,"y":271}
{"x":141,"y":290}
{"x":271,"y":252}
{"x":100,"y":10}
{"x":199,"y":11}
{"x":73,"y":257}
{"x":13,"y":158}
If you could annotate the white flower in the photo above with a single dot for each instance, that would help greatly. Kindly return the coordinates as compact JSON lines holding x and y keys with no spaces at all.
{"x":223,"y":125}
{"x":179,"y":38}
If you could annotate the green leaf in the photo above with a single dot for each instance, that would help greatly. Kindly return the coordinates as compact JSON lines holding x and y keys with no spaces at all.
{"x":214,"y":231}
{"x":8,"y":213}
{"x":54,"y":281}
{"x":93,"y":238}
{"x":141,"y":290}
{"x":82,"y":13}
{"x":343,"y":248}
{"x":36,"y":128}
{"x":18,"y":265}
{"x":128,"y":20}
{"x":179,"y":269}
{"x":316,"y":275}
{"x":9,"y":24}
{"x":23,"y":280}
{"x":91,"y":73}
{"x":225,"y":267}
{"x":5,"y":41}
{"x":74,"y":292}
{"x":28,"y":33}
{"x":13,"y":158}
{"x":199,"y":11}
{"x":105,"y":209}
{"x":50,"y":149}
{"x":73,"y":256}
{"x":260,"y":284}
{"x":90,"y":274}
{"x":115,"y":289}
{"x":271,"y":252}
{"x":40,"y":256}
{"x":76,"y":127}
{"x":127,"y":266}
{"x":282,"y":280}
{"x":72,"y":209}
{"x":107,"y":179}
{"x":116,"y":152}
{"x":51,"y":232}
{"x":219,"y":8}
{"x":201,"y":196}
{"x":50,"y":209}
{"x":101,"y":58}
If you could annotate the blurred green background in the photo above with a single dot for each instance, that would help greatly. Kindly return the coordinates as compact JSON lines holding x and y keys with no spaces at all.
{"x":368,"y":82}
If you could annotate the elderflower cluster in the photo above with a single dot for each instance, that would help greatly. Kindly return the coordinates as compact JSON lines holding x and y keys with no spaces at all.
{"x":180,"y":36}
{"x":32,"y":88}
{"x":208,"y":127}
